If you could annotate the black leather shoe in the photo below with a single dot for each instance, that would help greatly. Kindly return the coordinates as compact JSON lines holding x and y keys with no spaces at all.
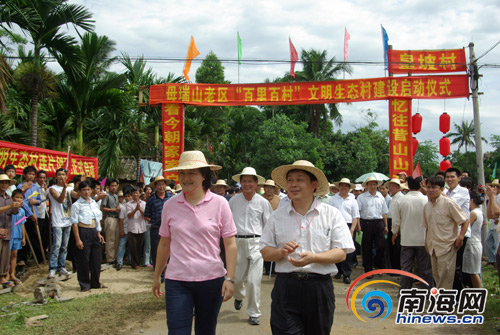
{"x":118,"y":267}
{"x":338,"y":275}
{"x":347,"y":279}
{"x":238,"y":304}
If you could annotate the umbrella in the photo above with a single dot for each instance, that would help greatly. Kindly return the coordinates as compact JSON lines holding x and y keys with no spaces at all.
{"x":376,"y":175}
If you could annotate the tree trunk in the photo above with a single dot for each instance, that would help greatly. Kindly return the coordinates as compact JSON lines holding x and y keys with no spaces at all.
{"x":79,"y":136}
{"x":157,"y":142}
{"x":34,"y":119}
{"x":138,"y":168}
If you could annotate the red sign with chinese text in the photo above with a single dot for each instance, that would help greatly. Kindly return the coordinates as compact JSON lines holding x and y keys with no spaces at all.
{"x":22,"y":156}
{"x":400,"y":137}
{"x":172,"y":119}
{"x":303,"y":93}
{"x":426,"y":61}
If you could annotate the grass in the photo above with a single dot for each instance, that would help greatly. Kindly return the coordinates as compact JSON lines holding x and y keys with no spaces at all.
{"x":96,"y":314}
{"x":492,"y":310}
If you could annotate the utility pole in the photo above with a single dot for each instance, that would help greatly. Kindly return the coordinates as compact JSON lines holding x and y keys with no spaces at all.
{"x":474,"y":76}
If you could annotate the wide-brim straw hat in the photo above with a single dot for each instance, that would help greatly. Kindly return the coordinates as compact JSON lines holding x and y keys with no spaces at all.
{"x":178,"y":188}
{"x":405,"y":187}
{"x":393,"y":180}
{"x":494,"y":183}
{"x":193,"y":160}
{"x":249,"y":171}
{"x":358,"y":187}
{"x":120,"y":193}
{"x":169,"y":189}
{"x":369,"y":179}
{"x":279,"y":175}
{"x":222,"y":182}
{"x":269,"y":182}
{"x":159,"y":178}
{"x":344,"y":181}
{"x":4,"y":177}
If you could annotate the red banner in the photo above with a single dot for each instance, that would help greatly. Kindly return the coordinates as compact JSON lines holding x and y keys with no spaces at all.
{"x":426,"y":61}
{"x":22,"y":156}
{"x":172,"y":118}
{"x":302,"y":93}
{"x":400,"y":137}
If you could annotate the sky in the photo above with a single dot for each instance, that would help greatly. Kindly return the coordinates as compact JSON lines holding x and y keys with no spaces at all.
{"x":162,"y":29}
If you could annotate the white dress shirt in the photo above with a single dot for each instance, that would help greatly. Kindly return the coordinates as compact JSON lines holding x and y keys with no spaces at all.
{"x":462,"y":198}
{"x":407,"y":216}
{"x":372,"y":207}
{"x":321,"y":229}
{"x":393,"y":198}
{"x":348,"y":207}
{"x":250,"y":216}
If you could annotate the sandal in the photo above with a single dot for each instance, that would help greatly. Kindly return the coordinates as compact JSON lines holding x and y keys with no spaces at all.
{"x":17,"y":281}
{"x":7,"y":284}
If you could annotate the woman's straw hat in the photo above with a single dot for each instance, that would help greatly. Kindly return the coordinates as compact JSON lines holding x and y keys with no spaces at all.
{"x":193,"y":160}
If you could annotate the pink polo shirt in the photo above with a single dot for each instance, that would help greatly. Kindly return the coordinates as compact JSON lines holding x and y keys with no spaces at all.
{"x":195,"y":233}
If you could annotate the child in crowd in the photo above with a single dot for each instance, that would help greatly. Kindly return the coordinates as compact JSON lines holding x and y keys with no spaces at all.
{"x":18,"y":238}
{"x":474,"y":249}
{"x":122,"y":248}
{"x":10,"y":171}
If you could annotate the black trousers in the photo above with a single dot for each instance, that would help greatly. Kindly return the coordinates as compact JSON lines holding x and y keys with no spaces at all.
{"x":302,"y":306}
{"x":419,"y":258}
{"x":373,"y":233}
{"x":44,"y":226}
{"x":393,"y":250}
{"x":345,"y":267}
{"x":22,"y":254}
{"x":89,"y":259}
{"x":135,"y":246}
{"x":460,"y":281}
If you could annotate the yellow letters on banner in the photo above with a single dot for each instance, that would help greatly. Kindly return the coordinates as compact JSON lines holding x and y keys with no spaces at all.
{"x":419,"y":88}
{"x":261,"y":94}
{"x":448,"y":60}
{"x":197,"y":95}
{"x":275,"y":93}
{"x":33,"y":159}
{"x":352,"y":91}
{"x":52,"y":161}
{"x":13,"y":156}
{"x":171,"y":152}
{"x":366,"y":90}
{"x":443,"y":85}
{"x":326,"y":92}
{"x":400,"y":120}
{"x":184,"y":93}
{"x":339,"y":91}
{"x":172,"y":122}
{"x":406,"y":61}
{"x":170,"y":164}
{"x":60,"y":161}
{"x":172,"y":176}
{"x":286,"y":94}
{"x":172,"y":109}
{"x":400,"y":149}
{"x":379,"y":89}
{"x":89,"y":169}
{"x":427,"y":62}
{"x":222,"y":94}
{"x":400,"y":106}
{"x":42,"y":162}
{"x":400,"y":165}
{"x":23,"y":161}
{"x":172,"y":136}
{"x":431,"y":87}
{"x":210,"y":94}
{"x":392,"y":87}
{"x":172,"y":93}
{"x":248,"y":93}
{"x":406,"y":88}
{"x":4,"y":156}
{"x":313,"y":91}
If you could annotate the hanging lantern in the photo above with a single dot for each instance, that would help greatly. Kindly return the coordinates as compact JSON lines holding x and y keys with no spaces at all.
{"x":444,"y":165}
{"x":444,"y":123}
{"x":415,"y":145}
{"x":444,"y":146}
{"x":416,"y":123}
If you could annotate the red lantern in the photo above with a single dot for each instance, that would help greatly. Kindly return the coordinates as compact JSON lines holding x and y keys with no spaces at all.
{"x":415,"y":145}
{"x":444,"y":146}
{"x":444,"y":123}
{"x":416,"y":123}
{"x":444,"y":165}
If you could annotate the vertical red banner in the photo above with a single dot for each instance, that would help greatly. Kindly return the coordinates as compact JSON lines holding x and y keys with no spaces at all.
{"x":400,"y":137}
{"x":172,"y":120}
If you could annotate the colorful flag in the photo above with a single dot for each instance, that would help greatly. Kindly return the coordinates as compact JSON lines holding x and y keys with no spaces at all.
{"x":239,"y":48}
{"x":417,"y":172}
{"x":192,"y":54}
{"x":294,"y":57}
{"x":385,"y":41}
{"x":347,"y":37}
{"x":494,"y":173}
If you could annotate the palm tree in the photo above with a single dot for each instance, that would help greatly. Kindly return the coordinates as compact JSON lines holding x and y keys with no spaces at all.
{"x":464,"y":135}
{"x":317,"y":67}
{"x":42,"y":20}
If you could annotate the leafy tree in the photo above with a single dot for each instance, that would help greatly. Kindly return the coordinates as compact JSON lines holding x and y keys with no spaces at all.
{"x":464,"y":135}
{"x":428,"y":156}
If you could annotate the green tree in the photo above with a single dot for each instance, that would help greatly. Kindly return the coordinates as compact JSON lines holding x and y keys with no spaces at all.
{"x":464,"y":135}
{"x":428,"y":156}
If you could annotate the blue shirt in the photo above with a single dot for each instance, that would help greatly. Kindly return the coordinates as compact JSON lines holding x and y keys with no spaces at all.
{"x":28,"y":195}
{"x":86,"y":211}
{"x":17,"y":231}
{"x":154,"y":206}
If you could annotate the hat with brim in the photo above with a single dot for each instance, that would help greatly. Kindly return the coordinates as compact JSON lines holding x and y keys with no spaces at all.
{"x":344,"y":181}
{"x":494,"y":183}
{"x":269,"y":182}
{"x":4,"y":177}
{"x":222,"y":182}
{"x":178,"y":188}
{"x":405,"y":187}
{"x":159,"y":178}
{"x":358,"y":187}
{"x":396,"y":181}
{"x":120,"y":193}
{"x":249,"y":171}
{"x":369,"y":179}
{"x":193,"y":160}
{"x":402,"y":172}
{"x":279,"y":175}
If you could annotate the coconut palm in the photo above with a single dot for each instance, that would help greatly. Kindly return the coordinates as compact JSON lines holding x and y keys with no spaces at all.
{"x":464,"y":135}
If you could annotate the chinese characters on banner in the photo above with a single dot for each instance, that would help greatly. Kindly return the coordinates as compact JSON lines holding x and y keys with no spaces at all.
{"x":400,"y":137}
{"x":22,"y":156}
{"x":172,"y":120}
{"x":425,"y":61}
{"x":302,"y":93}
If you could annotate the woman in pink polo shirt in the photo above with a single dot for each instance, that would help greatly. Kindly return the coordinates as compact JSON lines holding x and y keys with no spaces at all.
{"x":191,"y":227}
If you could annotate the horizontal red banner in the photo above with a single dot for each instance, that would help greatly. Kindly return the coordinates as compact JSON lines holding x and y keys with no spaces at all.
{"x":22,"y":156}
{"x":302,"y":93}
{"x":426,"y":61}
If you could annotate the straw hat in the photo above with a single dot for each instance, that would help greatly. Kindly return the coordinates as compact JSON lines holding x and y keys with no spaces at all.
{"x":279,"y":174}
{"x":177,"y":188}
{"x":4,"y":177}
{"x":344,"y":181}
{"x":405,"y":187}
{"x":169,"y":189}
{"x":402,"y":172}
{"x":222,"y":182}
{"x":193,"y":160}
{"x":159,"y":178}
{"x":393,"y":180}
{"x":493,"y":183}
{"x":369,"y":179}
{"x":249,"y":171}
{"x":269,"y":182}
{"x":358,"y":187}
{"x":120,"y":193}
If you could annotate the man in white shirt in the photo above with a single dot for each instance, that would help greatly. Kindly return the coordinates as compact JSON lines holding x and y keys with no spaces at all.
{"x":346,"y":203}
{"x":305,"y":239}
{"x":250,"y":213}
{"x":373,"y":212}
{"x":393,"y":249}
{"x":407,"y":216}
{"x":41,"y":211}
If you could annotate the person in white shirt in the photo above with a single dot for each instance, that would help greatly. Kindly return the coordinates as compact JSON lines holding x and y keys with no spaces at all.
{"x":373,"y":212}
{"x":122,"y":247}
{"x":250,"y":213}
{"x":407,"y":216}
{"x":136,"y":228}
{"x":346,"y":203}
{"x":41,"y":210}
{"x":305,"y":239}
{"x":491,"y":242}
{"x":393,"y":249}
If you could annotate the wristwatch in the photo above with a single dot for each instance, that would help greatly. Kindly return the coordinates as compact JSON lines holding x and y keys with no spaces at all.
{"x":229,"y":279}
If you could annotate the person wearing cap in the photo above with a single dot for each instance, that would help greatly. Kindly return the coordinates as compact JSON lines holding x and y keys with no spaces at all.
{"x":346,"y":203}
{"x":357,"y":190}
{"x":373,"y":212}
{"x":491,"y":242}
{"x":191,"y":226}
{"x":221,"y":187}
{"x":305,"y":239}
{"x":393,"y":247}
{"x":269,"y":188}
{"x":402,"y":176}
{"x":250,"y":213}
{"x":407,"y":216}
{"x":333,"y":190}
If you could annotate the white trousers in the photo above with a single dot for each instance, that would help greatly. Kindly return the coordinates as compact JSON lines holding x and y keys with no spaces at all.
{"x":249,"y":269}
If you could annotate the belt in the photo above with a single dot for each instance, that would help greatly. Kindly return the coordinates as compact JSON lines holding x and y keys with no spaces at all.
{"x":372,"y":220}
{"x":83,"y":225}
{"x":305,"y":276}
{"x":247,"y":236}
{"x":155,"y":227}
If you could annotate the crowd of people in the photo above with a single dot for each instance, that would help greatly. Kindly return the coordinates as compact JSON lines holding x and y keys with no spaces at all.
{"x":208,"y":241}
